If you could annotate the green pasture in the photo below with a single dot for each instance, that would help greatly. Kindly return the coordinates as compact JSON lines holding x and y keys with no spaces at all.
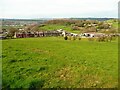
{"x":52,"y":62}
{"x":57,"y":26}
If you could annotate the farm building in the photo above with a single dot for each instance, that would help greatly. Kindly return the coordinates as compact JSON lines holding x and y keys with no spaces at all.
{"x":36,"y":34}
{"x":23,"y":34}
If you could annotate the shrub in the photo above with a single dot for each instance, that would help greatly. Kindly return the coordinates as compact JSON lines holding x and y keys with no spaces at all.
{"x":101,"y":39}
{"x":66,"y":38}
{"x":91,"y":39}
{"x":69,"y":37}
{"x":75,"y":28}
{"x":12,"y":32}
{"x":104,"y":38}
{"x":110,"y":38}
{"x":79,"y":38}
{"x":114,"y":38}
{"x":74,"y":38}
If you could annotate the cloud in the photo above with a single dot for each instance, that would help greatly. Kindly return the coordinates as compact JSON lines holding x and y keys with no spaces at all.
{"x":58,"y":8}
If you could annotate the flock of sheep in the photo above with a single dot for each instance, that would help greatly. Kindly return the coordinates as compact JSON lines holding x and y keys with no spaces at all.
{"x":99,"y":37}
{"x":107,"y":38}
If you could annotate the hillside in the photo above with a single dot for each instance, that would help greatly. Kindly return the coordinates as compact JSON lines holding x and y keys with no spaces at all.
{"x":78,"y":26}
{"x":52,"y":62}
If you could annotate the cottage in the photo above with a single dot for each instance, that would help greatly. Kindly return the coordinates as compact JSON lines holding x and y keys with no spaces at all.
{"x":36,"y":34}
{"x":23,"y":34}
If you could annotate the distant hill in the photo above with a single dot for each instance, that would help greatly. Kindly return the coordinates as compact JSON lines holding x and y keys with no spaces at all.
{"x":99,"y":19}
{"x":42,"y":20}
{"x":22,"y":21}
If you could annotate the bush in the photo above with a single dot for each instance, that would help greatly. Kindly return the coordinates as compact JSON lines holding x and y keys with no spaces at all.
{"x":110,"y":38}
{"x":12,"y":32}
{"x":91,"y":39}
{"x":103,"y":26}
{"x":75,"y":28}
{"x":69,"y":37}
{"x":104,"y":38}
{"x":66,"y":38}
{"x":79,"y":38}
{"x":74,"y":38}
{"x":101,"y":39}
{"x":114,"y":38}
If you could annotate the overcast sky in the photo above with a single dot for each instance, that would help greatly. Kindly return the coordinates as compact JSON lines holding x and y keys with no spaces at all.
{"x":58,"y":8}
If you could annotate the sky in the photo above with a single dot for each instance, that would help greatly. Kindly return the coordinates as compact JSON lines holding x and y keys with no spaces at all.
{"x":27,"y":9}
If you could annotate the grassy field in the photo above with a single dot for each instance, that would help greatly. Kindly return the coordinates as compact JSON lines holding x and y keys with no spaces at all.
{"x":53,"y":62}
{"x":114,"y":24}
{"x":57,"y":26}
{"x":69,"y":27}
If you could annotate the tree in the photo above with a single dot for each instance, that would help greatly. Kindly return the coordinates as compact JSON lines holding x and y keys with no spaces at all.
{"x":103,"y":26}
{"x":112,"y":30}
{"x":4,"y":30}
{"x":35,"y":28}
{"x":80,"y":24}
{"x":75,"y":28}
{"x":12,"y":31}
{"x":90,"y":29}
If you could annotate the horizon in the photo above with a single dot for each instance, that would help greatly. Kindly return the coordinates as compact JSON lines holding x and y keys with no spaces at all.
{"x":64,"y":18}
{"x":59,"y":17}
